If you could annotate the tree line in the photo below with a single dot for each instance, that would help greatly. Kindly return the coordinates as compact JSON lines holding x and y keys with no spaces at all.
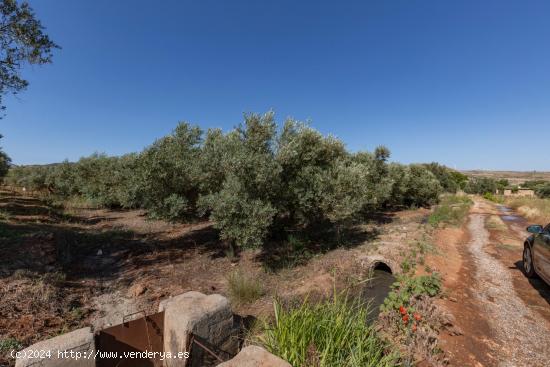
{"x":485,"y":185}
{"x":254,"y":182}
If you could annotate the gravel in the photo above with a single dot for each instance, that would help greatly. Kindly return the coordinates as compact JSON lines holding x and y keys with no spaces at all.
{"x":523,"y":337}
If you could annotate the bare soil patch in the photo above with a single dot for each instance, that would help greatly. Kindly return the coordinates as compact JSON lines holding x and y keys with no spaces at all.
{"x":499,"y":310}
{"x":107,"y":264}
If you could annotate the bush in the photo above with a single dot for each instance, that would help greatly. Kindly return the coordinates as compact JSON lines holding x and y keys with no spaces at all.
{"x":333,"y":333}
{"x":543,"y":191}
{"x":481,"y":185}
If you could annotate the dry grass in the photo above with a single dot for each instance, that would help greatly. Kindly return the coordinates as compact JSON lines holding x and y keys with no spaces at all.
{"x":244,"y":288}
{"x":534,"y":209}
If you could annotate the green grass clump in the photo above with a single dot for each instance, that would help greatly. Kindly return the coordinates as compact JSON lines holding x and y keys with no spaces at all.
{"x":243,"y":288}
{"x":452,"y":209}
{"x":327,"y":334}
{"x":9,"y":344}
{"x":494,"y":198}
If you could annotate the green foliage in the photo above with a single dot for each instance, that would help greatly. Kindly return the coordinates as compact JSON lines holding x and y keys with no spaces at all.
{"x":407,"y":287}
{"x":9,"y":344}
{"x":254,"y":182}
{"x":243,"y":288}
{"x":481,"y":185}
{"x":243,"y":209}
{"x":5,"y":163}
{"x":543,"y":191}
{"x":452,"y":209}
{"x":502,"y":183}
{"x":23,"y":41}
{"x":413,"y":186}
{"x":332,"y":333}
{"x":451,"y":181}
{"x":168,"y":174}
{"x":541,"y":187}
{"x":492,"y":197}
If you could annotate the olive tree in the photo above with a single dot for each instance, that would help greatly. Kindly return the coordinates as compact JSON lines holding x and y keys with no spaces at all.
{"x":23,"y":42}
{"x":168,"y":172}
{"x":5,"y":162}
{"x":242,"y":208}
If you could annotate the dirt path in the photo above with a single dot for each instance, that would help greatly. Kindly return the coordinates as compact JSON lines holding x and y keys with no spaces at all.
{"x":504,"y":316}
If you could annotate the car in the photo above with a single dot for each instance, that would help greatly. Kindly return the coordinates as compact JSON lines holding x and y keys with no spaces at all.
{"x":536,"y":252}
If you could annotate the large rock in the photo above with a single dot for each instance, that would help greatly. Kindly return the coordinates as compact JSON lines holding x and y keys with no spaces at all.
{"x":253,"y":356}
{"x":207,"y":317}
{"x":71,"y":349}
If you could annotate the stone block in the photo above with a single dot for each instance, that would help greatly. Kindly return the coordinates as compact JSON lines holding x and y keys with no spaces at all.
{"x":208,"y":317}
{"x":71,"y":349}
{"x":253,"y":356}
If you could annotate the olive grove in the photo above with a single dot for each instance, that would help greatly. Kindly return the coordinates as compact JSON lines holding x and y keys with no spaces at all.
{"x":254,"y":182}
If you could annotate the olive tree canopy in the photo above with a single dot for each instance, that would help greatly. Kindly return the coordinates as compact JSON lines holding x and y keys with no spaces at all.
{"x":22,"y":41}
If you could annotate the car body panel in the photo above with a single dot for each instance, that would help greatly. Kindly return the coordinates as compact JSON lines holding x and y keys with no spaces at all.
{"x":540,"y":250}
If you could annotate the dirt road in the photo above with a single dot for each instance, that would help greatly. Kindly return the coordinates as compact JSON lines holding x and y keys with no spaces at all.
{"x":505,"y":317}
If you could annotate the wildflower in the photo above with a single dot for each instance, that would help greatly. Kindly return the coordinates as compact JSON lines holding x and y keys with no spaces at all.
{"x":406,"y":319}
{"x":403,"y":310}
{"x":414,"y":327}
{"x":417,"y":317}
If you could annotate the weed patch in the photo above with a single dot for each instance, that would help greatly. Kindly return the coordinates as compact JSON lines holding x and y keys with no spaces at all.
{"x":332,"y":333}
{"x":494,"y":198}
{"x":452,"y":209}
{"x":243,"y":288}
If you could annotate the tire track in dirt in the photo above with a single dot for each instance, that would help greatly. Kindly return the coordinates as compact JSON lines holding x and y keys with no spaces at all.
{"x":522,"y":336}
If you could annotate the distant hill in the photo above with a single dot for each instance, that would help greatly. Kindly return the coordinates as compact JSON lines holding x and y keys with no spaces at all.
{"x":515,"y":177}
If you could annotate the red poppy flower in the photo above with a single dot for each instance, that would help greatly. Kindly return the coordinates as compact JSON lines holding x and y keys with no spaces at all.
{"x":406,"y":319}
{"x":417,"y":317}
{"x":414,"y":327}
{"x":403,"y":310}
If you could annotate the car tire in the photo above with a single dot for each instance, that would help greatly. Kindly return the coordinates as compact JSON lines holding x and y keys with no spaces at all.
{"x":528,"y":266}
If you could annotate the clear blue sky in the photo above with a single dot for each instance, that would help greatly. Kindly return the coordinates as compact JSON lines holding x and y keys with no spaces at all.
{"x":465,"y":83}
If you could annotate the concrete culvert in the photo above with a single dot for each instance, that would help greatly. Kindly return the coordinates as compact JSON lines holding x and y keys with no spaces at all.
{"x":382,"y":266}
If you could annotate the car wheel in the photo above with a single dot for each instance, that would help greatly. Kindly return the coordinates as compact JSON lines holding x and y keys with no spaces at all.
{"x":528,"y":266}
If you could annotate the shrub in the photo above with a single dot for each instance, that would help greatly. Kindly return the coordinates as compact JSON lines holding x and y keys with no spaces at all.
{"x":243,"y":288}
{"x":543,"y":190}
{"x":481,"y":185}
{"x":332,"y":333}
